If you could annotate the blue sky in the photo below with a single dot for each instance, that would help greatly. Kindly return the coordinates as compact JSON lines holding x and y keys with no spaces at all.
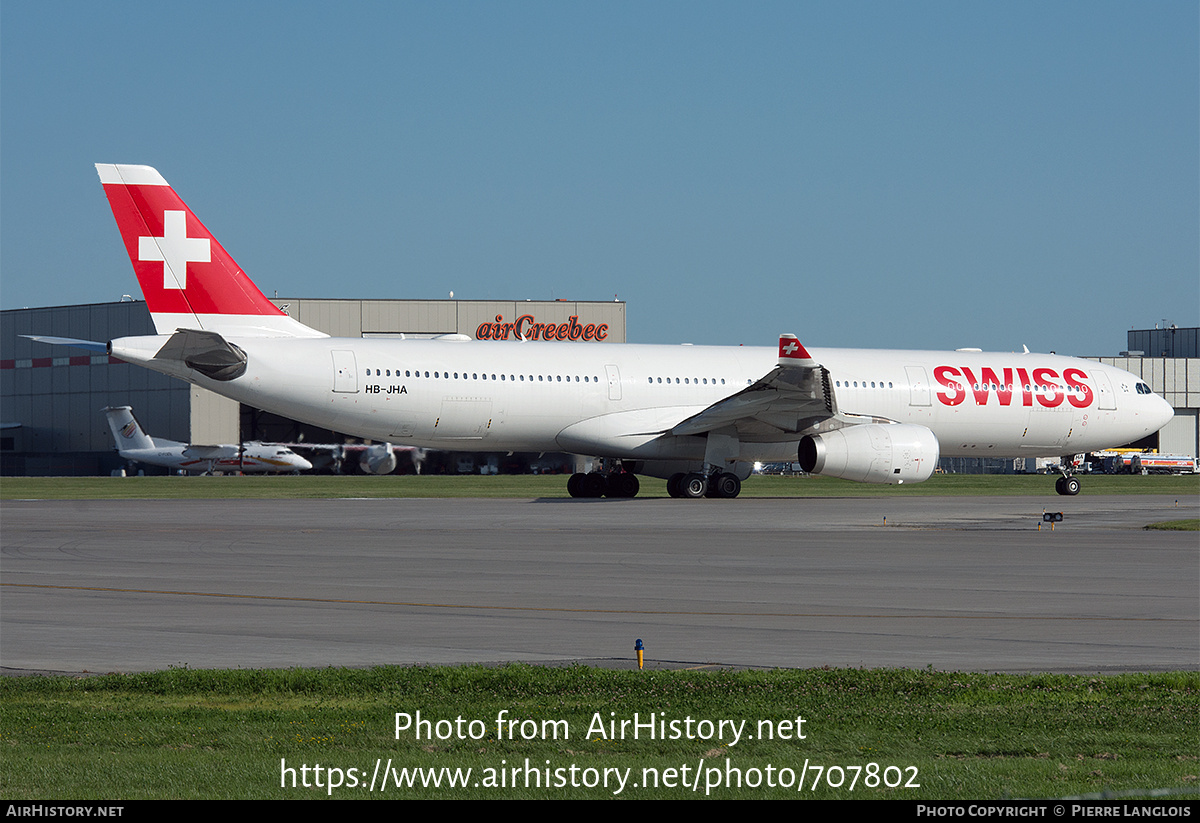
{"x":878,"y":174}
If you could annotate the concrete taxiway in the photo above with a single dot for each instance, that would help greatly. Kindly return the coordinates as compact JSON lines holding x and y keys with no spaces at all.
{"x":953,"y":583}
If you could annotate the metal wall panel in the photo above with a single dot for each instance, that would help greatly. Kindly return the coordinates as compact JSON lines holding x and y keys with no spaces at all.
{"x":472,"y":313}
{"x":59,"y":405}
{"x":427,"y":318}
{"x":1181,"y":435}
{"x":215,"y":419}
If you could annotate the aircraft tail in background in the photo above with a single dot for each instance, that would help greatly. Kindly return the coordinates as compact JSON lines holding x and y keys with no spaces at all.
{"x":126,"y":431}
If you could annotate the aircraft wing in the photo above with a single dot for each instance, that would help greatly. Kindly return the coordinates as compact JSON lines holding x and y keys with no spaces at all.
{"x":793,"y":397}
{"x":350,"y":447}
{"x":200,"y":452}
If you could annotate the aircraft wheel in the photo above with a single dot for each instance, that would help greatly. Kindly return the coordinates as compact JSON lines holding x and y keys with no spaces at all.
{"x":623,"y":484}
{"x":727,"y":485}
{"x":594,"y":485}
{"x":694,"y":486}
{"x":1071,"y":486}
{"x":575,"y":485}
{"x":675,"y":485}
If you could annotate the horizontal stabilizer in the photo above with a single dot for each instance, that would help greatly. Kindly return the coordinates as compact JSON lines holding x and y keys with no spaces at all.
{"x":90,"y":345}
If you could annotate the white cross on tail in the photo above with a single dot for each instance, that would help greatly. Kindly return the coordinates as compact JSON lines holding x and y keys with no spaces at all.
{"x":175,"y":249}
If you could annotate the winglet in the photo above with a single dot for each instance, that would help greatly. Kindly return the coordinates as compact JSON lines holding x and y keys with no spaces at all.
{"x":792,"y":353}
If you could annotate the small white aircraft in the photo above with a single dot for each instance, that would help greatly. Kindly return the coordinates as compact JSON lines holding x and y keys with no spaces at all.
{"x":698,"y":416}
{"x":135,"y":445}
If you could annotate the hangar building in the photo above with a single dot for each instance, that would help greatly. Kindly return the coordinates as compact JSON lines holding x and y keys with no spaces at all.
{"x":1168,"y":360}
{"x":51,"y":396}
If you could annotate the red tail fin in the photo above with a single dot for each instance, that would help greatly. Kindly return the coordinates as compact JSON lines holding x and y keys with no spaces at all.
{"x":188,"y":279}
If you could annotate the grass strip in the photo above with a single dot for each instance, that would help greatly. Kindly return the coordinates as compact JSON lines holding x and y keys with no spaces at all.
{"x":872,"y":734}
{"x":1192,"y":525}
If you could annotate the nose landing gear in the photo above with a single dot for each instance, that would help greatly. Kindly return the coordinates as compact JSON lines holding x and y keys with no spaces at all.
{"x":1067,"y":485}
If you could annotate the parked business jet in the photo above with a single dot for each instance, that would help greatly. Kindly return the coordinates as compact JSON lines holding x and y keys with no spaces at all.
{"x":135,"y":445}
{"x":698,"y":416}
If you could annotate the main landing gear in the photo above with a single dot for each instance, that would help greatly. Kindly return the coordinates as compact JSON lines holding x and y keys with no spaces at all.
{"x":598,"y":484}
{"x":625,"y":484}
{"x":696,"y":485}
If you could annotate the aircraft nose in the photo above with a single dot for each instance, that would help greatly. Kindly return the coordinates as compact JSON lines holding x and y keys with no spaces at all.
{"x":1162,"y":413}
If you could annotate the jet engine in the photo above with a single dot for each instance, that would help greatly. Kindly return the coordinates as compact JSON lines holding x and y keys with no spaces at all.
{"x":888,"y":453}
{"x":378,"y":459}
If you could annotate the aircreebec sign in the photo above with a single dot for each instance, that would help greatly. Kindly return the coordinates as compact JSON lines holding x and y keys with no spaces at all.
{"x":526,"y":327}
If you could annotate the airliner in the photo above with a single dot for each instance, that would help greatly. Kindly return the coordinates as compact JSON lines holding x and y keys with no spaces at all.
{"x":133,"y":444}
{"x":698,"y":416}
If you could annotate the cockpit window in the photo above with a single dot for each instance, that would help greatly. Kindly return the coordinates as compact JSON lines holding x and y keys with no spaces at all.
{"x":1142,"y":388}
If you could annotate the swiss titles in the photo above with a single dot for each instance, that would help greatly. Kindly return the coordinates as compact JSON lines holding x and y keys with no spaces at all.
{"x":1009,"y":386}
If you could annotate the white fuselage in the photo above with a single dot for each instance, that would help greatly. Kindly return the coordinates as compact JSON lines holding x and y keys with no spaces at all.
{"x":618,"y":400}
{"x":255,"y":458}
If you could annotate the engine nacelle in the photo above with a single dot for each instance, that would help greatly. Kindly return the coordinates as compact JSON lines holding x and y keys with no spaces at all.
{"x":888,"y":453}
{"x":379,"y":459}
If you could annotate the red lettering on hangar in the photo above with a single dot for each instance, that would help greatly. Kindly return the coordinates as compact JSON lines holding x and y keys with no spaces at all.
{"x":525,"y":327}
{"x":959,"y":382}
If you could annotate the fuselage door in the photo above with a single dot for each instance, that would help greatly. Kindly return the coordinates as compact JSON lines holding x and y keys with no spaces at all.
{"x":918,"y":386}
{"x":1106,"y":400}
{"x":345,"y":372}
{"x":614,"y":382}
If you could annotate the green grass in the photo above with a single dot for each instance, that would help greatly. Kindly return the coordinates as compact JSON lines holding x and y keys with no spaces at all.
{"x":531,"y":486}
{"x":228,"y":734}
{"x":1192,"y":525}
